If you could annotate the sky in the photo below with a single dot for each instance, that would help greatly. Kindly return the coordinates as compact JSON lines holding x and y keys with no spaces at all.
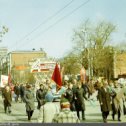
{"x":49,"y":24}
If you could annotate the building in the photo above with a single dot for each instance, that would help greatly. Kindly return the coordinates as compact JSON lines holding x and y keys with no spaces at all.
{"x":17,"y":63}
{"x":20,"y":59}
{"x":120,"y":64}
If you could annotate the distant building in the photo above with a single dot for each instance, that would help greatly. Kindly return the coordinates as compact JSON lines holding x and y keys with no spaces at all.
{"x":17,"y":63}
{"x":20,"y":59}
{"x":120,"y":64}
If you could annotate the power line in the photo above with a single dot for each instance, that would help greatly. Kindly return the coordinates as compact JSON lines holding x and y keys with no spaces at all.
{"x":58,"y":21}
{"x":46,"y":20}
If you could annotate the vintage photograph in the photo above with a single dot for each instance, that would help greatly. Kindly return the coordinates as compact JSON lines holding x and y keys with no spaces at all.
{"x":62,"y":61}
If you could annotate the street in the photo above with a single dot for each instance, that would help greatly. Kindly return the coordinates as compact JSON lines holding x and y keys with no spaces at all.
{"x":18,"y":114}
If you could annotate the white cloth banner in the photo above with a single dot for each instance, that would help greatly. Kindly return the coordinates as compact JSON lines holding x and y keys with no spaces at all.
{"x":4,"y":80}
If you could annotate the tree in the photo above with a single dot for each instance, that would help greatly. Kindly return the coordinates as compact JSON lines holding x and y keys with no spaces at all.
{"x":70,"y":64}
{"x":3,"y":31}
{"x":31,"y":78}
{"x":91,"y":43}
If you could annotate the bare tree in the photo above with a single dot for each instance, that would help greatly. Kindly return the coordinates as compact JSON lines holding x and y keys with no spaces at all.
{"x":3,"y":31}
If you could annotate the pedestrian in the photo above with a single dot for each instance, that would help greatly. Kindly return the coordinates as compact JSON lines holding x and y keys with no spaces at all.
{"x":74,"y":82}
{"x":40,"y":96}
{"x":65,"y":115}
{"x":104,"y":100}
{"x":48,"y":83}
{"x":113,"y":95}
{"x":29,"y":100}
{"x":22,"y":92}
{"x":91,"y":88}
{"x":48,"y":110}
{"x":17,"y":91}
{"x":79,"y":100}
{"x":86,"y":88}
{"x":70,"y":96}
{"x":7,"y":99}
{"x":118,"y":102}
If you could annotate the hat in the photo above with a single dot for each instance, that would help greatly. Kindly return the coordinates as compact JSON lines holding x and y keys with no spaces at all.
{"x":41,"y":85}
{"x":28,"y":86}
{"x":64,"y":103}
{"x":49,"y":97}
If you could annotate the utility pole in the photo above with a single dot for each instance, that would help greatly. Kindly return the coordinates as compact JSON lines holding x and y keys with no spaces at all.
{"x":88,"y":55}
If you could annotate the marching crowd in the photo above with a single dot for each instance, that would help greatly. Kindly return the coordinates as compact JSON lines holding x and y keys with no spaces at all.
{"x":111,"y":97}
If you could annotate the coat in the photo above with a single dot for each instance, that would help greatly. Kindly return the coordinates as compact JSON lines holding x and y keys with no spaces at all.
{"x":70,"y":97}
{"x":29,"y":100}
{"x":79,"y":99}
{"x":17,"y":90}
{"x":40,"y":96}
{"x":66,"y":116}
{"x":104,"y":99}
{"x":119,"y":98}
{"x":47,"y":112}
{"x":22,"y":90}
{"x":7,"y":97}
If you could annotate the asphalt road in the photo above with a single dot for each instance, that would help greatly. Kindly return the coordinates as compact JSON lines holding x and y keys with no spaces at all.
{"x":18,"y":115}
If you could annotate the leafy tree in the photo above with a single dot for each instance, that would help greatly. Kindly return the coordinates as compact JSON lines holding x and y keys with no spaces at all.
{"x":91,"y":43}
{"x":30,"y":78}
{"x":70,"y":64}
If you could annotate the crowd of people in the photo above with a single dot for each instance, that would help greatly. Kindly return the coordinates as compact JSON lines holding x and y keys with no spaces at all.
{"x":111,"y":97}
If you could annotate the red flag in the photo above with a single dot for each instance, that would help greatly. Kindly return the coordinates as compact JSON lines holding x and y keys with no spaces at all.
{"x":9,"y":79}
{"x":57,"y":76}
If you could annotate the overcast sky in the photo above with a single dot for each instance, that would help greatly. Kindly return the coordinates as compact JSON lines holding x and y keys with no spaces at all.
{"x":32,"y":23}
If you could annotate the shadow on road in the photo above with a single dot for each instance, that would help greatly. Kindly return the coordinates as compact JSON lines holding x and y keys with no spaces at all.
{"x":94,"y":114}
{"x":17,"y":114}
{"x":92,"y":121}
{"x":26,"y":120}
{"x":23,"y":119}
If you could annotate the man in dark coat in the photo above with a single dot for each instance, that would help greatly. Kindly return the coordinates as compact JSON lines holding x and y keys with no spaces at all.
{"x":29,"y":100}
{"x":105,"y":100}
{"x":7,"y":99}
{"x":22,"y":91}
{"x":79,"y":100}
{"x":40,"y":96}
{"x":70,"y":97}
{"x":17,"y":91}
